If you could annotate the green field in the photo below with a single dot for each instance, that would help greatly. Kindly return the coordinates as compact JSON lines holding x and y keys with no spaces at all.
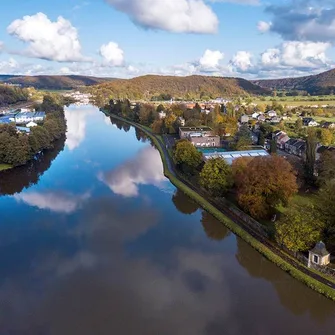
{"x":316,"y":118}
{"x":298,"y":101}
{"x":5,"y":167}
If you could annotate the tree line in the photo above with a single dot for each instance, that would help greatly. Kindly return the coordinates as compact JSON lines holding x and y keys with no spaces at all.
{"x":265,"y":187}
{"x":18,"y":148}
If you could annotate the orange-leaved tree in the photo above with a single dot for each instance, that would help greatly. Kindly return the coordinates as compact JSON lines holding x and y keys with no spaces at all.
{"x":263,"y":183}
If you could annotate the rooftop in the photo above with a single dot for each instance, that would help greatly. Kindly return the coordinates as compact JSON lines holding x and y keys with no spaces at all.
{"x":230,"y":156}
{"x":320,"y":249}
{"x":199,"y":129}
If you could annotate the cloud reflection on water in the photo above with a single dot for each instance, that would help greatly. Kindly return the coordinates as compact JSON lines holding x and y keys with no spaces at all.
{"x":58,"y":202}
{"x":76,"y":119}
{"x":144,"y":169}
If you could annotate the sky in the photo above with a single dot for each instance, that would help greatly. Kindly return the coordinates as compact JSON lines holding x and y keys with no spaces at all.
{"x":128,"y":38}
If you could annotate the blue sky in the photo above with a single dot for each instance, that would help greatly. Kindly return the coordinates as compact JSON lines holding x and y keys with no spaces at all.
{"x":127,"y":38}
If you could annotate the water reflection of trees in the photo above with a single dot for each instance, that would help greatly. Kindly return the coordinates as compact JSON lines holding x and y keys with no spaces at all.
{"x":213,"y":228}
{"x":293,"y":295}
{"x":120,"y":124}
{"x":183,"y":203}
{"x":15,"y":180}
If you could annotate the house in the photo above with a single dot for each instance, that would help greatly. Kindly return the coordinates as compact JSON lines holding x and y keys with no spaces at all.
{"x":162,"y":115}
{"x":26,"y":117}
{"x":244,"y":119}
{"x":185,"y":132}
{"x":328,"y":125}
{"x":23,"y":130}
{"x":281,"y":139}
{"x":299,"y":148}
{"x":31,"y":124}
{"x":261,"y":118}
{"x":275,"y":119}
{"x":319,"y":255}
{"x":181,"y":121}
{"x":271,"y":113}
{"x":255,"y":115}
{"x":309,"y":122}
{"x":198,"y":140}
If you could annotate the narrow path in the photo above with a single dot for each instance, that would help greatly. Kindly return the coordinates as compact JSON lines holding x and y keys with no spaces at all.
{"x":231,"y":215}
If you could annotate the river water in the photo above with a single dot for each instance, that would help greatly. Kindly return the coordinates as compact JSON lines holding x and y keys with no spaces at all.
{"x":95,"y":240}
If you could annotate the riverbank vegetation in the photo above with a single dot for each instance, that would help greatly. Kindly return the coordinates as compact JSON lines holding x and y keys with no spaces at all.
{"x":17,"y":148}
{"x":261,"y":187}
{"x":279,"y":260}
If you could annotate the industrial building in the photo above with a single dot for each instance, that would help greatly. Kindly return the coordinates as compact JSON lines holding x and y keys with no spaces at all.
{"x":230,"y":156}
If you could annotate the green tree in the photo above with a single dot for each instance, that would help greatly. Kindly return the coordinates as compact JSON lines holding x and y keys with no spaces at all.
{"x":326,"y":200}
{"x":216,"y":176}
{"x":299,"y":229}
{"x":298,"y":125}
{"x":186,"y":156}
{"x":273,"y":147}
{"x":261,"y":139}
{"x":243,"y":138}
{"x":326,"y":167}
{"x":327,"y":137}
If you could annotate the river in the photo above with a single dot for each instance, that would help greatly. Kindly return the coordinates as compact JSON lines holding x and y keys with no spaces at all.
{"x":95,"y":240}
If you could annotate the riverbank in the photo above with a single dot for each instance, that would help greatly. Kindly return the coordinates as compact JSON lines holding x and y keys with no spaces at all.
{"x":4,"y":167}
{"x":311,"y":279}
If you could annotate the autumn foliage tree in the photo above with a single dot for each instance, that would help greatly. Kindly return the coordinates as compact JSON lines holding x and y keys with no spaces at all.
{"x":263,"y":183}
{"x":216,"y":176}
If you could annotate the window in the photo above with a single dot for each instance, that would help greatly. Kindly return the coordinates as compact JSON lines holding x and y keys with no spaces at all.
{"x":315,"y":259}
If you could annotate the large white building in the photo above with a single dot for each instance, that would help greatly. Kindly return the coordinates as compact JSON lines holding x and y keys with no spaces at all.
{"x":26,"y":117}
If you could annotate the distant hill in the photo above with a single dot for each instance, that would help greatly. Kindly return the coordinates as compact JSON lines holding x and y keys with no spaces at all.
{"x":320,"y":84}
{"x":53,"y":82}
{"x":163,"y":87}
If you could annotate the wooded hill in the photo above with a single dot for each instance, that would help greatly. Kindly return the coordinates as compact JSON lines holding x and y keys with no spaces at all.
{"x":53,"y":82}
{"x":320,"y":84}
{"x":164,"y":87}
{"x":12,"y":95}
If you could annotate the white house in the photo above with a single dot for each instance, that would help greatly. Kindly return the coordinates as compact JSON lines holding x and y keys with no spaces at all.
{"x":31,"y":124}
{"x":271,"y":113}
{"x":255,"y":115}
{"x":319,"y":255}
{"x":162,"y":115}
{"x":181,"y":121}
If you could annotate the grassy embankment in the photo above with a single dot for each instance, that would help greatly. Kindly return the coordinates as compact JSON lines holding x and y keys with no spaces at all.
{"x":5,"y":167}
{"x":235,"y":228}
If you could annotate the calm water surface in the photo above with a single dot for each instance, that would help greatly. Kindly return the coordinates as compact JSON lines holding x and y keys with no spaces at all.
{"x":95,"y":240}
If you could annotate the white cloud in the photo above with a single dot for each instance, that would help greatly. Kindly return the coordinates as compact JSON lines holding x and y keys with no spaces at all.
{"x":240,"y":2}
{"x":263,"y":26}
{"x":55,"y":202}
{"x":179,"y":16}
{"x":11,"y":66}
{"x":112,"y":54}
{"x":308,"y":20}
{"x":55,"y":41}
{"x":145,"y":169}
{"x":296,"y":54}
{"x":211,"y":59}
{"x":241,"y":61}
